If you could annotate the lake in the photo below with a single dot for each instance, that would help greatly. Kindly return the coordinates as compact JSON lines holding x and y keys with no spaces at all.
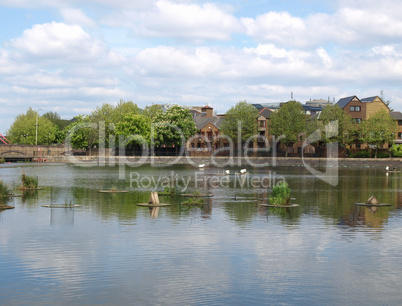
{"x":231,"y":250}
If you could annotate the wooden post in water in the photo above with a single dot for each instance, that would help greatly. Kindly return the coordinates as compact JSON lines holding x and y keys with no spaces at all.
{"x":154,"y":199}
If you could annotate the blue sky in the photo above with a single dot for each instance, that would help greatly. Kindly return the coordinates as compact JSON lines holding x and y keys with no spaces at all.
{"x":69,"y":56}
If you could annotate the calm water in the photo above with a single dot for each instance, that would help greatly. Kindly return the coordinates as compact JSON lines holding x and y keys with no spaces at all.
{"x":229,"y":251}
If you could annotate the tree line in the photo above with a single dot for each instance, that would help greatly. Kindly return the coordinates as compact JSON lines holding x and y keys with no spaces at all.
{"x":105,"y":124}
{"x":174,"y":127}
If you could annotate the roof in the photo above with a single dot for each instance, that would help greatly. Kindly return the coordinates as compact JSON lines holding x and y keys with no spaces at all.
{"x":265,"y":112}
{"x":344,"y":101}
{"x":369,"y":99}
{"x":312,"y":108}
{"x":207,"y":106}
{"x":200,"y":122}
{"x":271,"y":105}
{"x":396,"y":115}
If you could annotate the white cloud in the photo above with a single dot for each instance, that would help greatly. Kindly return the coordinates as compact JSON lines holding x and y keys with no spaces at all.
{"x":78,"y":17}
{"x":276,"y":27}
{"x":171,"y":62}
{"x":179,"y":20}
{"x":357,"y":26}
{"x":59,"y":40}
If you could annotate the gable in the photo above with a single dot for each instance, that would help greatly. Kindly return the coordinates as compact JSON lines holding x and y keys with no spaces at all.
{"x":345,"y":101}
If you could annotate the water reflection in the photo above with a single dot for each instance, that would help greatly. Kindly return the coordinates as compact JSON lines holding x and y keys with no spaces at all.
{"x":230,"y":250}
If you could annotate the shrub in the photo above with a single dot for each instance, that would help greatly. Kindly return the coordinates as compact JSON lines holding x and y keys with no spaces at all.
{"x":2,"y":160}
{"x":383,"y":155}
{"x":172,"y":190}
{"x":361,"y":154}
{"x":396,"y":150}
{"x":4,"y":190}
{"x":29,"y":182}
{"x":280,"y":194}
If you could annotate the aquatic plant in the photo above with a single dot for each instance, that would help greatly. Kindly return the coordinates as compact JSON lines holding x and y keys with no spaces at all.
{"x":172,"y":190}
{"x":4,"y":190}
{"x":194,"y":201}
{"x":29,"y":182}
{"x":280,"y":194}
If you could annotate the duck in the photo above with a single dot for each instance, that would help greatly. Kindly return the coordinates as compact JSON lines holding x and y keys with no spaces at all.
{"x":243,"y":171}
{"x":387,"y":168}
{"x":201,"y":165}
{"x":227,"y":171}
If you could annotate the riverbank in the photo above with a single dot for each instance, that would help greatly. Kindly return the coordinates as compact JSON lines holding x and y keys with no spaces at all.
{"x":226,"y":161}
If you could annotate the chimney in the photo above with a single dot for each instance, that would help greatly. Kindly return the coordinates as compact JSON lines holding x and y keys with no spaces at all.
{"x":208,"y":110}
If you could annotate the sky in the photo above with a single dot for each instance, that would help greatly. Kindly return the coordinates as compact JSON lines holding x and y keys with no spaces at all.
{"x":70,"y":56}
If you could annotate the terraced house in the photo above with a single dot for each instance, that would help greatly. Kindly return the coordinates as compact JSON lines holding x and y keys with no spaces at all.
{"x":362,"y":109}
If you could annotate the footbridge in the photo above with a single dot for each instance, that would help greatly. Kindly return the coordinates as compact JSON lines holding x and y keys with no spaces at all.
{"x":28,"y":153}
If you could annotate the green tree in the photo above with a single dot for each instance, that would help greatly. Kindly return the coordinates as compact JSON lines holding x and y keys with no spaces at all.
{"x":336,"y":125}
{"x":122,"y":109}
{"x":152,"y":111}
{"x":135,"y":125}
{"x":289,"y":123}
{"x":240,"y":122}
{"x":56,"y":119}
{"x":174,"y":127}
{"x":378,"y":130}
{"x":23,"y":129}
{"x":82,"y":133}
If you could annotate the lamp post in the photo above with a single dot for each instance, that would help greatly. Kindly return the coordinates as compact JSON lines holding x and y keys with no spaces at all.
{"x":36,"y":130}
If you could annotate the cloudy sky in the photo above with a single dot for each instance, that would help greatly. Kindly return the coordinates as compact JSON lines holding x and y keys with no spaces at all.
{"x":69,"y":56}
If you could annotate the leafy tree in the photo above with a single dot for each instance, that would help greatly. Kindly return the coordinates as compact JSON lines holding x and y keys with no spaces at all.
{"x":122,"y":109}
{"x":55,"y":118}
{"x":134,"y":124}
{"x":289,"y":122}
{"x":241,"y":117}
{"x":170,"y":127}
{"x":23,"y":129}
{"x":378,"y":130}
{"x":336,"y":125}
{"x":152,"y":111}
{"x":82,"y":133}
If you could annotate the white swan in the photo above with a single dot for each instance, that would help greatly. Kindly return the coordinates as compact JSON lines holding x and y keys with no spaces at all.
{"x":201,"y":165}
{"x":243,"y":171}
{"x":227,"y":171}
{"x":387,"y":168}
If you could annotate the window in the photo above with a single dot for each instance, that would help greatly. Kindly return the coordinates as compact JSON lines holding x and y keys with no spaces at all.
{"x":399,"y":135}
{"x":399,"y":122}
{"x":357,"y":120}
{"x":261,"y":123}
{"x":355,"y":108}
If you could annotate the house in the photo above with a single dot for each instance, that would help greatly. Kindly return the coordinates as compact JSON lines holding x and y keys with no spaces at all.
{"x":398,"y":117}
{"x":208,"y":136}
{"x":362,"y":109}
{"x":263,"y":129}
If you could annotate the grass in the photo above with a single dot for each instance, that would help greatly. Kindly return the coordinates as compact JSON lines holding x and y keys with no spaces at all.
{"x":280,"y":194}
{"x":29,"y":182}
{"x":172,"y":190}
{"x":194,"y":201}
{"x":4,"y":190}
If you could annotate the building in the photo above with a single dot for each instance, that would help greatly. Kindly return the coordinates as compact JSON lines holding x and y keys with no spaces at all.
{"x":362,"y":109}
{"x":398,"y":117}
{"x":264,"y":137}
{"x":319,"y":103}
{"x":208,"y":135}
